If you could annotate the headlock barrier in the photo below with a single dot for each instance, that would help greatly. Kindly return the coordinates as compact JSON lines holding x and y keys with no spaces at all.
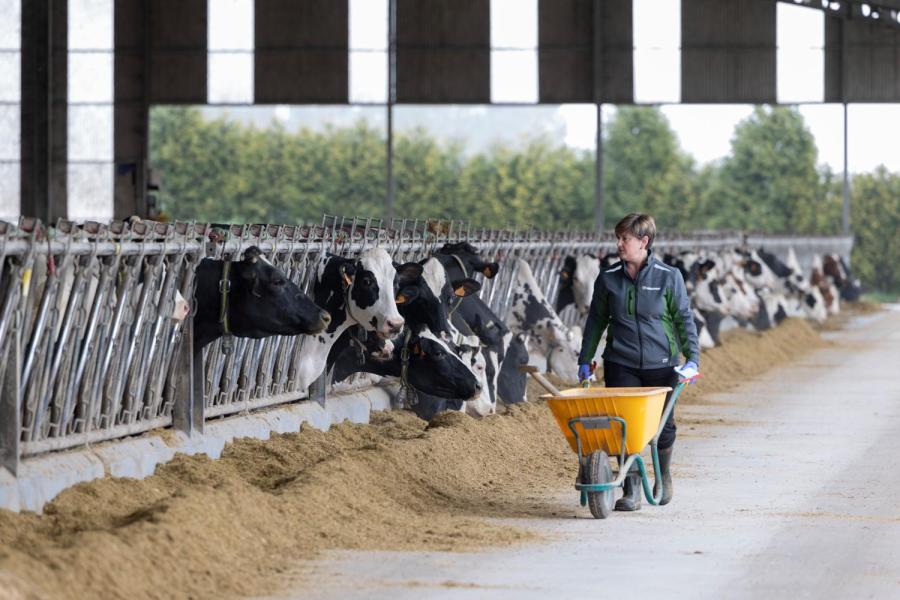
{"x":92,"y":347}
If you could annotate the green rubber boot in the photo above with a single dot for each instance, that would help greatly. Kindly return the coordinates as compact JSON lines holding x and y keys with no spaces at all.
{"x":631,"y":500}
{"x":665,"y":461}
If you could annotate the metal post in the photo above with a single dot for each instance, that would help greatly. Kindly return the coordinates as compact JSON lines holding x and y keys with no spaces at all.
{"x":10,"y":409}
{"x":599,"y":215}
{"x":188,"y":406}
{"x":599,"y":212}
{"x":390,"y":187}
{"x":845,"y":214}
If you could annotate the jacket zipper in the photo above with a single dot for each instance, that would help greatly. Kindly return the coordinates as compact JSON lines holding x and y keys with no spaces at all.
{"x":637,"y":321}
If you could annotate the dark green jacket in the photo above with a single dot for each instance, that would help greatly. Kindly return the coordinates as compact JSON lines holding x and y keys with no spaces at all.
{"x":650,"y":320}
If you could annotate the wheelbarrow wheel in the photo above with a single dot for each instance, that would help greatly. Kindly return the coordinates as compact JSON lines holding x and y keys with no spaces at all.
{"x":599,"y":471}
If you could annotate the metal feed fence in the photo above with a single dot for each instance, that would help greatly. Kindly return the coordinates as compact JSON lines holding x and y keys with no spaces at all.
{"x":90,"y":351}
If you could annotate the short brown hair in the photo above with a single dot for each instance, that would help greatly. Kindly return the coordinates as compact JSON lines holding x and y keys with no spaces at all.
{"x":638,"y":225}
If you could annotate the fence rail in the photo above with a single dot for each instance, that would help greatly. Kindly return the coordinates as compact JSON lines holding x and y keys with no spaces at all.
{"x":89,"y":350}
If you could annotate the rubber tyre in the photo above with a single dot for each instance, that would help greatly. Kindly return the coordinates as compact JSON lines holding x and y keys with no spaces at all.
{"x":599,"y":471}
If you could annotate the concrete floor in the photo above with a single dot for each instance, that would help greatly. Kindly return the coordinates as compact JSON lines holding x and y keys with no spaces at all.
{"x":786,"y":488}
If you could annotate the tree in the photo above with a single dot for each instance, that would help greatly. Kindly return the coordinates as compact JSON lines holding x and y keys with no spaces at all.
{"x":770,"y":181}
{"x":645,"y":169}
{"x":875,"y":219}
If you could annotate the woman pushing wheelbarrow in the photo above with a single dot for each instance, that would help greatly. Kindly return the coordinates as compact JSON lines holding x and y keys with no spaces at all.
{"x":645,"y":305}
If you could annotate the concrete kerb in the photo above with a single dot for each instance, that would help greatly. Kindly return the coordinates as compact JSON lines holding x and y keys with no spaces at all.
{"x":42,"y":478}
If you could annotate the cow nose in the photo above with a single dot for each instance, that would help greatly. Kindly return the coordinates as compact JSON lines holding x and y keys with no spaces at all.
{"x":394,"y":325}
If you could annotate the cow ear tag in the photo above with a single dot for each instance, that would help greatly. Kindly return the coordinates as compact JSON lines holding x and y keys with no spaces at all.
{"x":417,"y":349}
{"x":564,"y":274}
{"x":347,"y":279}
{"x":400,"y":299}
{"x":488,"y":272}
{"x":460,"y":291}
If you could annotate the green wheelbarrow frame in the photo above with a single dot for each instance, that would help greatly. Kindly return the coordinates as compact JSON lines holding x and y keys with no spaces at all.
{"x":625,"y":460}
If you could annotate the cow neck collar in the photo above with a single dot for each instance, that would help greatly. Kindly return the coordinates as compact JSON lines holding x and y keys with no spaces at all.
{"x":461,"y":265}
{"x":345,"y":289}
{"x":224,"y":289}
{"x":465,"y":273}
{"x":410,"y":394}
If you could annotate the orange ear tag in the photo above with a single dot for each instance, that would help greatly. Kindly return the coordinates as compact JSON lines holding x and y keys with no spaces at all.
{"x":400,"y":299}
{"x":347,"y":279}
{"x":460,"y":291}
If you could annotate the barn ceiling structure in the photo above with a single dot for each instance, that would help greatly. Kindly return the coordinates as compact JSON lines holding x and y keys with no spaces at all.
{"x":439,"y":53}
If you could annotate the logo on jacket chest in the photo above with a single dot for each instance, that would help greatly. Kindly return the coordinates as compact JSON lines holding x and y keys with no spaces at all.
{"x":650,"y":289}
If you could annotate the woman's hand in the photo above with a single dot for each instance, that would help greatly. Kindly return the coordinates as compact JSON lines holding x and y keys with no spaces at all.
{"x":584,"y":372}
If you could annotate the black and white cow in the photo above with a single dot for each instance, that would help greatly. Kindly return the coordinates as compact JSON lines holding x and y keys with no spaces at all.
{"x":425,"y":304}
{"x":531,"y":315}
{"x":576,"y":280}
{"x":473,"y":315}
{"x":471,"y":330}
{"x":835,"y":267}
{"x":432,"y":368}
{"x":261,"y":301}
{"x":354,"y":291}
{"x":425,"y":298}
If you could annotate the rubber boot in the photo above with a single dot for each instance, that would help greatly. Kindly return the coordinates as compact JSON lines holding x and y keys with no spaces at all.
{"x":631,"y":499}
{"x":665,"y":461}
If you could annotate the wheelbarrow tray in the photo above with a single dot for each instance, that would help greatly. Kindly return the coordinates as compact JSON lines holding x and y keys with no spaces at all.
{"x":640,"y":408}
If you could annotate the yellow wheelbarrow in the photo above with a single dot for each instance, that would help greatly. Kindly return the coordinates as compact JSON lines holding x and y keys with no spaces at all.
{"x":601,"y":422}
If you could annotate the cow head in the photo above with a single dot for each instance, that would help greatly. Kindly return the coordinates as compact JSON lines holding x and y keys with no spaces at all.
{"x":261,"y":301}
{"x":470,"y":259}
{"x":363,"y":288}
{"x":425,"y":296}
{"x":565,"y":295}
{"x":435,"y":369}
{"x":740,"y":301}
{"x":576,"y":282}
{"x":531,"y":315}
{"x":511,"y":382}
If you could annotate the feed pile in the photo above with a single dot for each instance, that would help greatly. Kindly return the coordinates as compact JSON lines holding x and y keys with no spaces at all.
{"x":209,"y":529}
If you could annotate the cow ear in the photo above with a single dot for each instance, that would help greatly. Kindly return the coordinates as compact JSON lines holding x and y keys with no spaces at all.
{"x":408,"y":271}
{"x":490,"y":269}
{"x":465,"y":287}
{"x":406,"y":295}
{"x":252,"y":254}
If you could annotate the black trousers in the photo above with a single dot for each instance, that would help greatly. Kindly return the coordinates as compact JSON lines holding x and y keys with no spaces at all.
{"x":616,"y":375}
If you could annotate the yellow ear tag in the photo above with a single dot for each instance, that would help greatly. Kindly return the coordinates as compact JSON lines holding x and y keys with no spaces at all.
{"x":401,"y":299}
{"x":347,"y":280}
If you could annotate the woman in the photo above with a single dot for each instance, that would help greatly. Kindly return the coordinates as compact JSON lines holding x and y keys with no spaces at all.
{"x":645,"y":305}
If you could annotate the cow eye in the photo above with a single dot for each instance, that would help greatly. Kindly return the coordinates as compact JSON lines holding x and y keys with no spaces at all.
{"x":278,"y":282}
